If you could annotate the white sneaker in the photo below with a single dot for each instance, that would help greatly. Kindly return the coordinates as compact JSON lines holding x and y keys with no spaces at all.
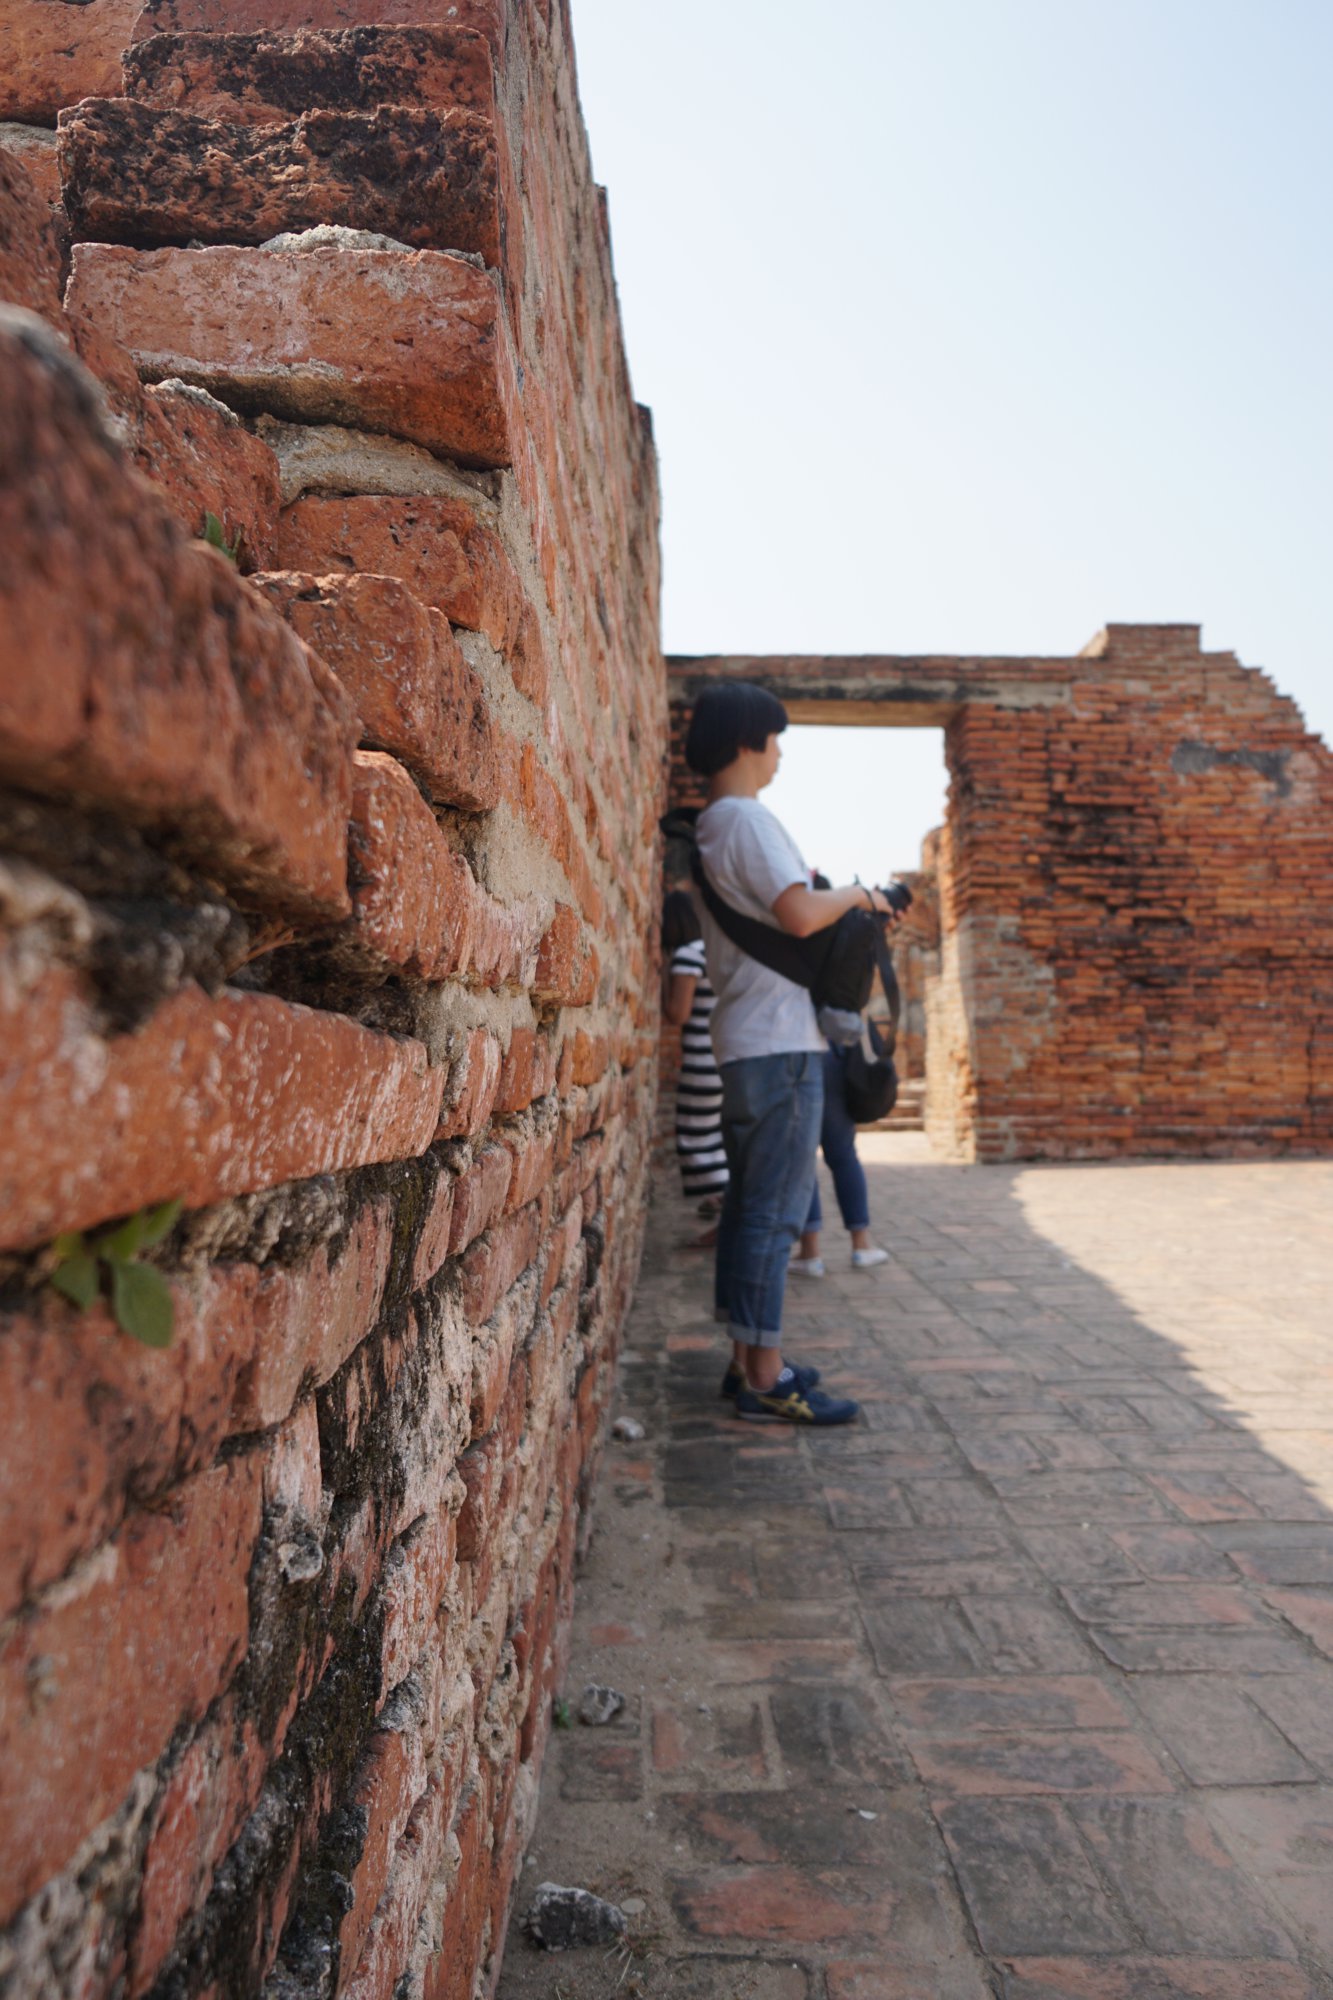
{"x":806,"y":1267}
{"x":865,"y":1260}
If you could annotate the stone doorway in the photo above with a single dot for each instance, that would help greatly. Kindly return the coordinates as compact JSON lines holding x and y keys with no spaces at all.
{"x":1135,"y":893}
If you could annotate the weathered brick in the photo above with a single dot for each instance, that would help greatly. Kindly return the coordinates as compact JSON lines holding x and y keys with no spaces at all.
{"x":415,"y":693}
{"x":436,"y":1232}
{"x":409,"y":342}
{"x":46,"y":60}
{"x":493,"y":1263}
{"x":206,"y":462}
{"x":141,"y":174}
{"x":166,"y":690}
{"x":89,"y":1418}
{"x":29,"y":254}
{"x":35,"y":150}
{"x":445,"y":550}
{"x":528,"y":1071}
{"x":472,"y":1088}
{"x":269,"y":77}
{"x":567,"y":963}
{"x":210,"y":1098}
{"x":487,"y":17}
{"x":480,"y":1197}
{"x":98,"y":1676}
{"x":209,"y":1794}
{"x":415,"y":900}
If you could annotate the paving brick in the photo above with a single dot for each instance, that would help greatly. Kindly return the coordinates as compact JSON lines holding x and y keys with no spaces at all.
{"x":1155,"y":1979}
{"x":924,"y":1636}
{"x":1180,"y":1886}
{"x":832,"y":1736}
{"x":802,"y":1828}
{"x":883,"y":1979}
{"x":1032,"y":1701}
{"x":269,"y":77}
{"x":602,"y":1771}
{"x":408,"y":342}
{"x":1027,"y":1882}
{"x":1215,"y":1734}
{"x":783,"y":1904}
{"x":70,"y":1746}
{"x":1301,"y":1705}
{"x":101,"y":1127}
{"x":147,"y":175}
{"x":167,"y":691}
{"x":43,"y":66}
{"x":992,"y":1764}
{"x":415,"y":694}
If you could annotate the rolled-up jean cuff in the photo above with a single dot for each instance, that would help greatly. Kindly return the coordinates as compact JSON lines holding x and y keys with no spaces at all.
{"x":755,"y":1336}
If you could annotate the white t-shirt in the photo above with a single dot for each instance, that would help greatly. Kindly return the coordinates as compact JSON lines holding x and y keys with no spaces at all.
{"x":750,"y":858}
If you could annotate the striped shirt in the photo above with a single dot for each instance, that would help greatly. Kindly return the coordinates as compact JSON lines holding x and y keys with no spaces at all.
{"x":703,"y":1161}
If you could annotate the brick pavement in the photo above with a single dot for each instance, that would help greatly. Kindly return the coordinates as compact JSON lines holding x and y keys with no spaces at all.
{"x":1024,"y":1687}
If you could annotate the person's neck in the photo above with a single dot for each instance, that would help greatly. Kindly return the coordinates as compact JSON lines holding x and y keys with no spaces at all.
{"x":737,"y":781}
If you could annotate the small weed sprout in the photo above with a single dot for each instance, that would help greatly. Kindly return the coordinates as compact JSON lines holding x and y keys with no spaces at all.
{"x":107,"y":1265}
{"x":216,"y":537}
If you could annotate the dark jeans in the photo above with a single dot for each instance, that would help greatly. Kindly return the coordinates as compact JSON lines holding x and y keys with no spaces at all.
{"x":837,"y":1136}
{"x":770,"y":1126}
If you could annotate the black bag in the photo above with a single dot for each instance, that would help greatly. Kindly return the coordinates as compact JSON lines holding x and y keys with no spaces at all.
{"x":836,"y":966}
{"x":870,"y":1080}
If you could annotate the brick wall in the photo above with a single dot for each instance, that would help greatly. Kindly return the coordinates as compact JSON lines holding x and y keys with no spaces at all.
{"x":327,"y":907}
{"x":1136,"y":894}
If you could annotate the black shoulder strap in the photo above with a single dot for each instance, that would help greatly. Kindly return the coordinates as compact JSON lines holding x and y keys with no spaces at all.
{"x":797,"y":959}
{"x":885,"y":1042}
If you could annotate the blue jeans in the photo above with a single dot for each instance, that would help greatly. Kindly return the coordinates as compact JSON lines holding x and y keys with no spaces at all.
{"x":771,"y":1109}
{"x":837,"y":1136}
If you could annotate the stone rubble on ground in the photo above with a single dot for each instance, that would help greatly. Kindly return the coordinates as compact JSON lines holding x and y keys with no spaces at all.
{"x":561,"y":1918}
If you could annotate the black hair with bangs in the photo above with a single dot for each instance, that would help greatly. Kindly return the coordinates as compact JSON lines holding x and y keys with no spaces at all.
{"x":730,"y":716}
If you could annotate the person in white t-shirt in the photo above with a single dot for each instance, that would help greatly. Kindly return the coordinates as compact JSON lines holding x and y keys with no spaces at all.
{"x":768,"y":1046}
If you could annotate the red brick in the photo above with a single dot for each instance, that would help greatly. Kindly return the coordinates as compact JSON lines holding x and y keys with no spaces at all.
{"x":444,"y":550}
{"x":88,"y":1416}
{"x":480,"y":1196}
{"x":417,"y":1863}
{"x":210,"y":1098}
{"x":268,"y":77}
{"x":389,"y":1785}
{"x":495,"y":1261}
{"x":209,"y":1795}
{"x":415,"y":900}
{"x":567,"y":963}
{"x":417,"y":1576}
{"x":98,"y":1677}
{"x":146,"y":676}
{"x":413,"y":343}
{"x":533,"y":1155}
{"x":206,"y":462}
{"x":141,"y":174}
{"x":29,"y":254}
{"x":35,"y":149}
{"x":215,"y":17}
{"x":415,"y":693}
{"x":433,"y":1244}
{"x":43,"y":65}
{"x":528,"y":1072}
{"x":591,"y":1055}
{"x":472,"y":1088}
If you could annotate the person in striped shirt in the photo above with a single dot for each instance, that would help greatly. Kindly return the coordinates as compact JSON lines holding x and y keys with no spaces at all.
{"x":688,"y":1003}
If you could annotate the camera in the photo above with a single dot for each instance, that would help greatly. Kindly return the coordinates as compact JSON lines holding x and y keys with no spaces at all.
{"x":898,"y":896}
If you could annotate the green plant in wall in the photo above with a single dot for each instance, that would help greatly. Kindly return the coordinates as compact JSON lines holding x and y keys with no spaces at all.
{"x":216,"y":537}
{"x":107,"y":1266}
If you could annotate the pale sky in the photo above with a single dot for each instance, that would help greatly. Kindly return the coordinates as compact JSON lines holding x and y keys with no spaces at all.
{"x":970,"y":325}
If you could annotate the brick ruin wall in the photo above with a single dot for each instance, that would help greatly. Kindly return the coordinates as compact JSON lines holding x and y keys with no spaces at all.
{"x":327,"y":906}
{"x":1135,"y":884}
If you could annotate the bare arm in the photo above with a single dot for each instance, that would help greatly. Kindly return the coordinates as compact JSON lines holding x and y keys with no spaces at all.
{"x":801,"y":911}
{"x":678,"y":997}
